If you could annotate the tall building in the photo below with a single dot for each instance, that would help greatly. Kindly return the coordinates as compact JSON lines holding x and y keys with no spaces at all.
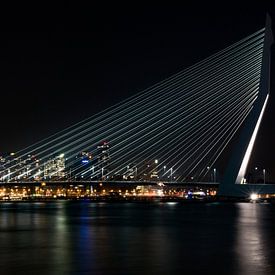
{"x":2,"y":167}
{"x":55,"y":168}
{"x":11,"y":167}
{"x":82,"y":166}
{"x":149,"y":170}
{"x":103,"y":159}
{"x":30,"y":168}
{"x":14,"y":168}
{"x":130,"y":172}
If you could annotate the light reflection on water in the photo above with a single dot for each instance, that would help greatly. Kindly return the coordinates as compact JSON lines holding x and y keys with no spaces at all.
{"x":252,"y":244}
{"x":161,"y":238}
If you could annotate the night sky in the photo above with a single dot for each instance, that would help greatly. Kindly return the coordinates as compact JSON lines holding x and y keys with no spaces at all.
{"x":64,"y":63}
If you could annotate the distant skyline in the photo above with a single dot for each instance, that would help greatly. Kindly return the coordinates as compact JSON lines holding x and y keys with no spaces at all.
{"x":59,"y":69}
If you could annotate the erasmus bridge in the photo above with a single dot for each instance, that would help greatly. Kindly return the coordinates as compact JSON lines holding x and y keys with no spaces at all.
{"x":175,"y":131}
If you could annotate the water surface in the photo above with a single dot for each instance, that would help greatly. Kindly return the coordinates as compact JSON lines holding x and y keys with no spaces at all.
{"x":137,"y":238}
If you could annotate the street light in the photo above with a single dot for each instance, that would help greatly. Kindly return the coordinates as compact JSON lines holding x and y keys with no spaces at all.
{"x":264,"y":175}
{"x":164,"y":169}
{"x":136,"y":172}
{"x":208,"y":168}
{"x":215,"y":171}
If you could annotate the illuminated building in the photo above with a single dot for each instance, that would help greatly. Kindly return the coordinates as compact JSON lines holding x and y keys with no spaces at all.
{"x":82,"y":167}
{"x":131,"y":172}
{"x":11,"y":167}
{"x":149,"y":171}
{"x":30,"y":168}
{"x":14,"y":168}
{"x":55,"y":167}
{"x":2,"y":167}
{"x":103,"y":159}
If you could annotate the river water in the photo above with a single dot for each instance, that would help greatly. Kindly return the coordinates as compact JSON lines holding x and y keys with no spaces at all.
{"x":137,"y":238}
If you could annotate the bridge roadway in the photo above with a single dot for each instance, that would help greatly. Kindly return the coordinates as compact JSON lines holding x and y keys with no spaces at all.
{"x":116,"y":183}
{"x":244,"y":189}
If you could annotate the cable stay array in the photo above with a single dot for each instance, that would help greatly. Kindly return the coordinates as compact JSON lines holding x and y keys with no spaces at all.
{"x":176,"y":130}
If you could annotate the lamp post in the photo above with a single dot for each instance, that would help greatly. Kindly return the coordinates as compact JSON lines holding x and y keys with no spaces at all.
{"x":215,"y":172}
{"x":264,"y":175}
{"x":9,"y":176}
{"x":255,"y":174}
{"x":208,"y":168}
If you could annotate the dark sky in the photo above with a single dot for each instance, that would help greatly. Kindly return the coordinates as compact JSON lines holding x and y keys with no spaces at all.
{"x":61,"y":64}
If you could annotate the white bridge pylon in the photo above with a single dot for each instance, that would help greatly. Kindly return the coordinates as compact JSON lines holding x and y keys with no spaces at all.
{"x":233,"y":183}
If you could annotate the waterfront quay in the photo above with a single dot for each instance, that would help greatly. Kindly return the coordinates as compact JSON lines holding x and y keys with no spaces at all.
{"x":100,"y":190}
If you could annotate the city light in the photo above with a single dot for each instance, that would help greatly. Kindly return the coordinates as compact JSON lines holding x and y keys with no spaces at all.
{"x":254,"y":196}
